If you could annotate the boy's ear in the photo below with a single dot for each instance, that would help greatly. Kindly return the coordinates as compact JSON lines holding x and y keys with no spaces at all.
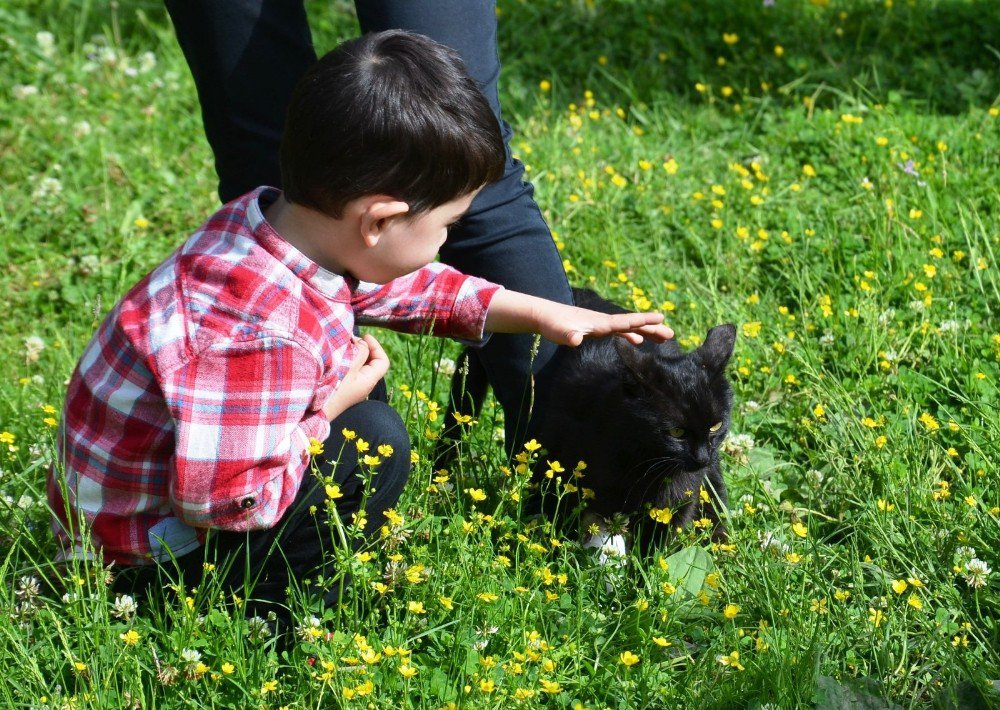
{"x":376,"y":212}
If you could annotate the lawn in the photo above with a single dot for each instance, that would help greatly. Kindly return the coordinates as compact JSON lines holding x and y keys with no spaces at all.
{"x":821,"y":173}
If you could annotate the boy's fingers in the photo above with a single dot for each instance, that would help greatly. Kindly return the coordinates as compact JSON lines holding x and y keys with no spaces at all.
{"x":361,"y":353}
{"x":375,"y":350}
{"x":657,"y":332}
{"x":378,"y":361}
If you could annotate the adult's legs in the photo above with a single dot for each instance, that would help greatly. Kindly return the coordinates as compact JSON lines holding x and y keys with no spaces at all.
{"x":503,"y":237}
{"x":245,"y":57}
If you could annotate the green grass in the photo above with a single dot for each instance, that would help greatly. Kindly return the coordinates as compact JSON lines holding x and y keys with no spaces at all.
{"x":864,"y":458}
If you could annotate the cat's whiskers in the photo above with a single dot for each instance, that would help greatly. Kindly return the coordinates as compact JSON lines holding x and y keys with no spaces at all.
{"x":658,"y":469}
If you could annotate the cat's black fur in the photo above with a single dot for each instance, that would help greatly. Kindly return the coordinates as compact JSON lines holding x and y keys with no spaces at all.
{"x":614,"y":405}
{"x":618,"y":407}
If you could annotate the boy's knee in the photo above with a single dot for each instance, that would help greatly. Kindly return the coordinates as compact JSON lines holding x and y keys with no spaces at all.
{"x":377,"y":423}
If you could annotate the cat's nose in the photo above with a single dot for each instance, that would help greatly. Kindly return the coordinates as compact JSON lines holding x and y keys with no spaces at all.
{"x":702,"y":456}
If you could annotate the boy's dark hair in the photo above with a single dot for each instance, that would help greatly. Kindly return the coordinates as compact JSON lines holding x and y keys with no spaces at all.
{"x":391,"y":113}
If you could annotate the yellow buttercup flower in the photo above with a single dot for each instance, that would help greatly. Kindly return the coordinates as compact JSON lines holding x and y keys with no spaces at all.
{"x":661,"y":515}
{"x":551,"y":687}
{"x":629,"y":659}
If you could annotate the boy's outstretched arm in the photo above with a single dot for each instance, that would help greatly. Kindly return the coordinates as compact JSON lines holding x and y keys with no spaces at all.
{"x":514,"y":312}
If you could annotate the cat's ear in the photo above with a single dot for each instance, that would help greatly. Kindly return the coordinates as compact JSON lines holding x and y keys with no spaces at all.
{"x":632,"y":373}
{"x":718,"y":347}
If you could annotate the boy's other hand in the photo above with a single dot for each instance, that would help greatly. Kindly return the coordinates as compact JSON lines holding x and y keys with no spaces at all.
{"x":369,"y":366}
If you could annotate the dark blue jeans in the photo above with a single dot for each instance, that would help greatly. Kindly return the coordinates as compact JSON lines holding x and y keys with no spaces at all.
{"x":299,"y":547}
{"x":246,"y":55}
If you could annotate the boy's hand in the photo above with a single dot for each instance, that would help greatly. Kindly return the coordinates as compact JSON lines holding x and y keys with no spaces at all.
{"x":369,"y":366}
{"x":579,"y":323}
{"x":513,"y":312}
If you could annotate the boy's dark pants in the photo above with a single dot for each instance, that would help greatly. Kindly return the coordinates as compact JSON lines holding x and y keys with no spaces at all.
{"x":247,"y":55}
{"x":300,"y":546}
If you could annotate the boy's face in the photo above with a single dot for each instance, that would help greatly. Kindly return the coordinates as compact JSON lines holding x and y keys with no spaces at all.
{"x":410,"y":242}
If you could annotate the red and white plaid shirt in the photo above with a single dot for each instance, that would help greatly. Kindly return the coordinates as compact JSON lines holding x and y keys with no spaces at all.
{"x":194,"y":404}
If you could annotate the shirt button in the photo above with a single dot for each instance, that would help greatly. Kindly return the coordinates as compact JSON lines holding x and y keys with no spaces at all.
{"x":247,"y":503}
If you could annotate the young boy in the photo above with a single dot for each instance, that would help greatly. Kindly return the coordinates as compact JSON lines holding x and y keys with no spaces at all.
{"x":193,"y":415}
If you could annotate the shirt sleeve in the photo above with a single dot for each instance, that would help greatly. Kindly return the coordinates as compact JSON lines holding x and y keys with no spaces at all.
{"x":436,"y":299}
{"x":243,"y":420}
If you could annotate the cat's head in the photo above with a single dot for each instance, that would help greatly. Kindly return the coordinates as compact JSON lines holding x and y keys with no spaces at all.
{"x":683,"y":400}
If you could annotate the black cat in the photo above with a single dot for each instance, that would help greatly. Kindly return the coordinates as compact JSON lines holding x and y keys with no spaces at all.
{"x":647,"y":420}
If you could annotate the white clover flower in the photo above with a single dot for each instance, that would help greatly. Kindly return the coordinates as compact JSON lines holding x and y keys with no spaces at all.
{"x":47,"y":187}
{"x":738,"y":446}
{"x":751,"y":405}
{"x":33,"y":347}
{"x":23,"y":91}
{"x":965,"y":552}
{"x":89,"y":264}
{"x":46,"y":44}
{"x":124,"y":607}
{"x":28,"y":587}
{"x":191,"y":659}
{"x":147,"y":62}
{"x":257,"y":629}
{"x":826,"y":340}
{"x":949,"y":326}
{"x":108,"y":56}
{"x":917,"y":306}
{"x":886,"y":317}
{"x":769,"y":541}
{"x":81,"y":129}
{"x":814,"y":477}
{"x":25,"y":501}
{"x":976,"y":572}
{"x":445,"y":366}
{"x":309,"y":629}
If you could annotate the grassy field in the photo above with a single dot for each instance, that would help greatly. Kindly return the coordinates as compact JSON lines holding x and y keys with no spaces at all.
{"x":823,"y":174}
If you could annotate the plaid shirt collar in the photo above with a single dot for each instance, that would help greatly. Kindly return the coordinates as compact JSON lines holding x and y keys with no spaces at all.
{"x":335,"y":287}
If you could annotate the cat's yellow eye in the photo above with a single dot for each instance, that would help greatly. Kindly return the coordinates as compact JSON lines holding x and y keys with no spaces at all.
{"x":715,"y":427}
{"x":676,"y":432}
